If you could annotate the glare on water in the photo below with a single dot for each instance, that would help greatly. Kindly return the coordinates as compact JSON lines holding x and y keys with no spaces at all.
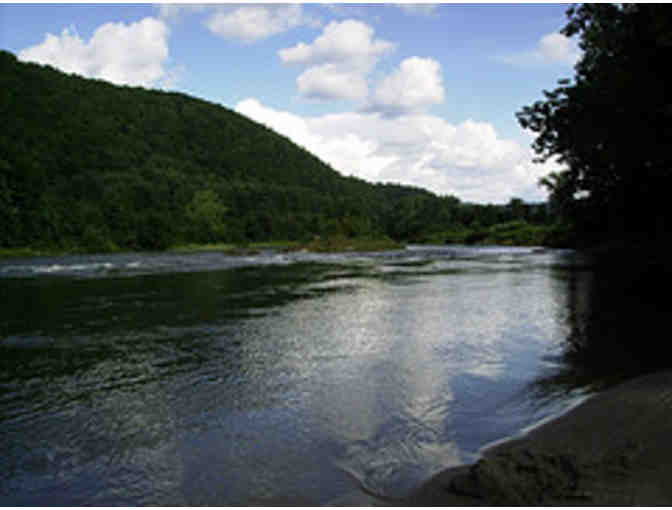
{"x":166,"y":379}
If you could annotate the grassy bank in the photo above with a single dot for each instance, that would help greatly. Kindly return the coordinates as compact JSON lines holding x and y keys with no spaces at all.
{"x":326,"y":245}
{"x":319,"y":245}
{"x":40,"y":251}
{"x":343,"y":244}
{"x":513,"y":233}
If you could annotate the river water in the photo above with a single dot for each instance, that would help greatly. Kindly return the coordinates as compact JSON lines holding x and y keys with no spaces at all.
{"x":205,"y":379}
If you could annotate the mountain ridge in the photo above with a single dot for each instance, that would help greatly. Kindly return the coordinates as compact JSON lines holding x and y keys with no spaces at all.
{"x":85,"y":163}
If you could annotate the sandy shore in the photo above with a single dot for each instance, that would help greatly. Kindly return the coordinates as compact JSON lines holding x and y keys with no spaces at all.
{"x":613,"y":449}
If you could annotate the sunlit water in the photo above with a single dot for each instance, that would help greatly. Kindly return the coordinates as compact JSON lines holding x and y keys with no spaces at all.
{"x":204,"y":379}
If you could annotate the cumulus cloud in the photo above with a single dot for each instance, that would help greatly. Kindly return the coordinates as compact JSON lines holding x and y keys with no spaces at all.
{"x":345,"y":151}
{"x":133,"y":54}
{"x":414,"y":86}
{"x":328,"y":81}
{"x":468,"y":160}
{"x":553,"y":48}
{"x":251,"y":23}
{"x":338,"y":60}
{"x":348,"y":41}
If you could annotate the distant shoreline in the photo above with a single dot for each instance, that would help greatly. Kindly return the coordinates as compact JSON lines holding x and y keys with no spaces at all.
{"x":612,"y":449}
{"x":317,"y":245}
{"x":332,"y":245}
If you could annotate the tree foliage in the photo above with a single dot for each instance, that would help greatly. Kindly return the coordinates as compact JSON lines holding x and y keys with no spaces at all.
{"x":611,"y":126}
{"x":87,"y":164}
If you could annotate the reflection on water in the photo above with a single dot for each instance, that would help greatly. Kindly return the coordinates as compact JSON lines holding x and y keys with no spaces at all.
{"x":280,"y":378}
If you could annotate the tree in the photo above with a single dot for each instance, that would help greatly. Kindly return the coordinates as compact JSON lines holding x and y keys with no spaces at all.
{"x":612,"y":125}
{"x":561,"y":200}
{"x":517,"y":209}
{"x":205,"y":214}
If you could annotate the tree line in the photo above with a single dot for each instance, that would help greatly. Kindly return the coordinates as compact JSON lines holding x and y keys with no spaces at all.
{"x":85,"y":164}
{"x":611,"y":125}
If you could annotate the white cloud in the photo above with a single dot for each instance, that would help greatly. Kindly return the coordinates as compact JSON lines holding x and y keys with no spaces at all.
{"x":338,"y":60}
{"x":348,"y":41}
{"x":468,"y":160}
{"x":251,"y":23}
{"x":414,"y":86}
{"x":133,"y":54}
{"x":553,"y":48}
{"x":173,"y":12}
{"x":328,"y":81}
{"x":345,"y":151}
{"x":556,"y":47}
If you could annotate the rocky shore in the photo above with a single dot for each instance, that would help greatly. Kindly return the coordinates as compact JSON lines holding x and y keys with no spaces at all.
{"x":615,"y":449}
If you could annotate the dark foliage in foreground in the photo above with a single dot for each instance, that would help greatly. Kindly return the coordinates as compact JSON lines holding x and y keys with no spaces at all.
{"x":612,"y":124}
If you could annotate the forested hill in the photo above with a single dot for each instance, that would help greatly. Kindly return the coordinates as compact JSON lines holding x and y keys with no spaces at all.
{"x":84,"y":163}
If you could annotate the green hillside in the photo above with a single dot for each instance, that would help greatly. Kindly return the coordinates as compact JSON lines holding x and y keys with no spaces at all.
{"x":90,"y":165}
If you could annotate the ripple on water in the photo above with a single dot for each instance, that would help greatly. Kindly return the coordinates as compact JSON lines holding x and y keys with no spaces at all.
{"x":205,"y":379}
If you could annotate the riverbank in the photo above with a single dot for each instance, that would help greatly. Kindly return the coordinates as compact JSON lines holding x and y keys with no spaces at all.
{"x":318,"y":245}
{"x":511,"y":233}
{"x":613,"y":449}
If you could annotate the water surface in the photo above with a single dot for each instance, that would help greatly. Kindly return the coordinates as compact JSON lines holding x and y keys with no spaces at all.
{"x":205,"y":379}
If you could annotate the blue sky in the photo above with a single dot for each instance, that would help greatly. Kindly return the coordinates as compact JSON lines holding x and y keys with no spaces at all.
{"x":422,"y":94}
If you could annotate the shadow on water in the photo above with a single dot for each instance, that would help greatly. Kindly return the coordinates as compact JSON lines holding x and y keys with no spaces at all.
{"x":617,"y":319}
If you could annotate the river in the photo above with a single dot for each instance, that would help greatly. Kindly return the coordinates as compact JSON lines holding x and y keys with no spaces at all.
{"x":206,"y":379}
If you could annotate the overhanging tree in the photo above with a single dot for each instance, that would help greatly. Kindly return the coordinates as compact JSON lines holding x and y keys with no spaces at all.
{"x":611,"y":126}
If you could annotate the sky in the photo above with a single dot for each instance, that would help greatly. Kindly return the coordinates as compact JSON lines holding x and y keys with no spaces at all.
{"x":419,"y":94}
